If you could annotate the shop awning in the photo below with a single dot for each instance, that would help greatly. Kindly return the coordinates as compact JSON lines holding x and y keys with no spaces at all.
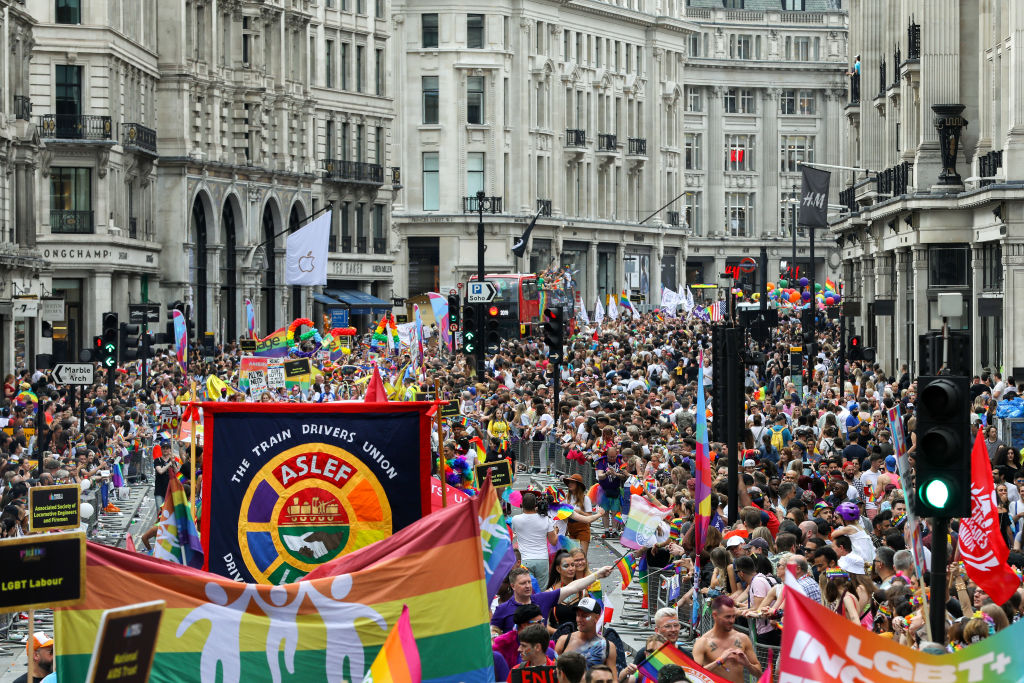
{"x":359,"y":302}
{"x":326,"y":300}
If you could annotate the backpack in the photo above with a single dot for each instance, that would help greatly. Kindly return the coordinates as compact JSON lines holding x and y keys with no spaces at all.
{"x":778,"y":443}
{"x":612,"y":636}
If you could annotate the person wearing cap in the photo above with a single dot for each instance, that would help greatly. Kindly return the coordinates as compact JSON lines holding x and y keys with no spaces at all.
{"x":887,"y":477}
{"x":586,"y":641}
{"x":41,"y":665}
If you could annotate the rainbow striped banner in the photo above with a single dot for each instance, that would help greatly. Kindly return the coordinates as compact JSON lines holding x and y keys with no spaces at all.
{"x":328,"y":627}
{"x":399,"y":660}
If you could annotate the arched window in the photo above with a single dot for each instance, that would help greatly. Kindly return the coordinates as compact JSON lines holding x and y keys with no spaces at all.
{"x":199,"y":267}
{"x":270,"y":276}
{"x":229,"y":277}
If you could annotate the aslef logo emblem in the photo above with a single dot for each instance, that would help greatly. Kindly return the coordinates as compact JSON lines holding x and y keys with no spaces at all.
{"x":307,"y":262}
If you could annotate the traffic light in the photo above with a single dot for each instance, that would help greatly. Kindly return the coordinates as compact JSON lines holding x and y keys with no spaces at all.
{"x":942,"y":463}
{"x":454,"y":318}
{"x":807,"y":327}
{"x":868,"y":354}
{"x":492,"y":331}
{"x":856,"y":351}
{"x":128,"y":342}
{"x":109,"y":339}
{"x":554,"y":333}
{"x":470,"y":344}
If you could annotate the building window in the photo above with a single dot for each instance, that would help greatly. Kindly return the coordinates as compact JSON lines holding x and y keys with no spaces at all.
{"x":992,"y":266}
{"x":747,"y":102}
{"x":379,"y":71}
{"x":360,"y":67}
{"x":346,"y":227}
{"x":693,"y":162}
{"x":378,"y":9}
{"x":694,"y":98}
{"x":733,"y":4}
{"x":379,"y":238}
{"x":795,"y":150}
{"x":360,"y":142}
{"x":430,"y":99}
{"x":475,"y":31}
{"x":330,"y":144}
{"x":805,"y":103}
{"x":793,"y":5}
{"x":787,"y":212}
{"x":69,"y":12}
{"x":474,"y":173}
{"x":694,"y":45}
{"x":739,"y":214}
{"x":378,"y":146}
{"x":431,"y":182}
{"x":329,"y":64}
{"x":68,"y":94}
{"x":739,"y":101}
{"x":429,"y":29}
{"x":947,"y":266}
{"x":787,"y":102}
{"x":802,"y":49}
{"x":71,"y":200}
{"x":475,"y":99}
{"x":739,"y":152}
{"x":360,"y":6}
{"x":740,"y":46}
{"x":346,"y":131}
{"x":344,"y":65}
{"x":693,"y":213}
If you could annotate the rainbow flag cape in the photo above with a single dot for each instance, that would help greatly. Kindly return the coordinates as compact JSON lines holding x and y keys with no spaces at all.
{"x":26,"y":396}
{"x":116,"y":475}
{"x":177,"y":538}
{"x":627,"y":567}
{"x":332,"y":625}
{"x":495,"y":538}
{"x":398,"y":660}
{"x":670,"y":654}
{"x":702,"y":489}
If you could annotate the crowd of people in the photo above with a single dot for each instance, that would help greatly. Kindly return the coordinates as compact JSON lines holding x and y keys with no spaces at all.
{"x":819,"y":489}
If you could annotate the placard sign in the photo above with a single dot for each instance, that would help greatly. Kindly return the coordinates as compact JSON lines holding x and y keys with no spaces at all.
{"x":247,"y":345}
{"x":47,"y":570}
{"x":126,"y":643}
{"x":53,"y":508}
{"x":257,"y":381}
{"x":296,"y":368}
{"x":450,"y":409}
{"x":534,"y":674}
{"x":275,"y":377}
{"x":501,"y":473}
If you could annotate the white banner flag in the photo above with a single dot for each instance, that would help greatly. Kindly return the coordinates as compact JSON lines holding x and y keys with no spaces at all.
{"x":305,"y":257}
{"x":598,"y":311}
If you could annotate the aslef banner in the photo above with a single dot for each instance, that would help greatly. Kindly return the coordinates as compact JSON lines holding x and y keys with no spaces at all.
{"x":813,"y":197}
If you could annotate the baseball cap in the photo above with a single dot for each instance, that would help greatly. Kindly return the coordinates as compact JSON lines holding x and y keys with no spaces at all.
{"x":749,"y":463}
{"x":757,"y":543}
{"x":890,"y":463}
{"x":733,"y":542}
{"x":589,"y":604}
{"x":41,"y":640}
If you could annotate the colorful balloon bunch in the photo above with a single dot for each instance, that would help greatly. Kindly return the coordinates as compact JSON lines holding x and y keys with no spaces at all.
{"x":800,"y":295}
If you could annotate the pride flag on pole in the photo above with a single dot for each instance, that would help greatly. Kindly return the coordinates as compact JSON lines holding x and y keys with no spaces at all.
{"x":627,"y":567}
{"x":625,"y":304}
{"x":670,"y":654}
{"x":495,"y":539}
{"x":399,"y":660}
{"x":702,"y":489}
{"x":177,"y":539}
{"x":250,"y":319}
{"x":180,"y":340}
{"x":644,"y":526}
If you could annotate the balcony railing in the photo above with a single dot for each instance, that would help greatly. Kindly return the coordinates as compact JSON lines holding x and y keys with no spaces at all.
{"x":491,"y":204}
{"x":882,"y":80}
{"x":353,"y":171}
{"x":848,"y":198}
{"x":638,"y":147}
{"x":138,"y":135}
{"x":897,"y":59}
{"x":988,"y":165}
{"x":346,"y":243}
{"x":133,"y":227}
{"x":575,"y":137}
{"x":22,"y":107}
{"x":380,"y":245}
{"x":65,"y":222}
{"x":360,"y":245}
{"x":75,"y":127}
{"x":544,"y":207}
{"x":913,"y":41}
{"x":606,"y":142}
{"x":673,"y":218}
{"x":893,"y":181}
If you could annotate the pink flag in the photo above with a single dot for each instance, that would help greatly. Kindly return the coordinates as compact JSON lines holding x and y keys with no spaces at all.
{"x":984,"y":552}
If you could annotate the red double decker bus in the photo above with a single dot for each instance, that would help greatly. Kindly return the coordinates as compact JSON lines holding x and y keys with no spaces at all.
{"x":518,"y":301}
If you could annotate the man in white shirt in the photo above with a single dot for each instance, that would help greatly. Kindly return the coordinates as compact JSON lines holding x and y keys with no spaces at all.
{"x":533,"y":532}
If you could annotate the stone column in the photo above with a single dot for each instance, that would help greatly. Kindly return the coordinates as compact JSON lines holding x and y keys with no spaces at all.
{"x":654,"y":279}
{"x":884,"y":324}
{"x":902,"y":256}
{"x":1013,"y":317}
{"x":770,"y":162}
{"x":591,"y":284}
{"x":715,"y":147}
{"x":921,"y":321}
{"x":940,"y":82}
{"x":1013,"y":154}
{"x":620,"y":259}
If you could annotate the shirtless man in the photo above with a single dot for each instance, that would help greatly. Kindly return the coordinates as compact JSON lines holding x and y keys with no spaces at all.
{"x":723,"y":651}
{"x":586,"y":640}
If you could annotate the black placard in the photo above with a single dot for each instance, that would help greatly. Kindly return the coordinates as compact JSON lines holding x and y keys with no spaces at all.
{"x":247,"y":345}
{"x":501,"y":473}
{"x":126,"y":643}
{"x":535,"y":674}
{"x":450,"y":409}
{"x":296,"y":368}
{"x":42,"y":571}
{"x":52,"y":508}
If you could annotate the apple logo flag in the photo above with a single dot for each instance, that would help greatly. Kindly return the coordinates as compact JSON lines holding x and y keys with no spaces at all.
{"x":305,"y":257}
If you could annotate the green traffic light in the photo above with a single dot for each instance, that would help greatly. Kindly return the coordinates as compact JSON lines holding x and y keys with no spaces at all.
{"x":936,"y":493}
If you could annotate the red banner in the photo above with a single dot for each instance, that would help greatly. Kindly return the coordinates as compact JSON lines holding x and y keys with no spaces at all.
{"x":983,"y":550}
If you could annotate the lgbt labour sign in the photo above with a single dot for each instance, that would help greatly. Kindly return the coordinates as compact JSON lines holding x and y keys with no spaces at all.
{"x":289,"y":487}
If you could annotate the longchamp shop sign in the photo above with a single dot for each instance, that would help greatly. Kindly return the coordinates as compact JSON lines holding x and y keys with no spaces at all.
{"x":78,"y":254}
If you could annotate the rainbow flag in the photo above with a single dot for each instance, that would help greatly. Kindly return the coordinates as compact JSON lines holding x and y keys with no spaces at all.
{"x":116,"y":475}
{"x":331,"y":625}
{"x":398,"y":660}
{"x":250,"y":319}
{"x":702,"y":490}
{"x":643,"y":523}
{"x":670,"y":654}
{"x":625,"y":304}
{"x":495,"y":539}
{"x":481,"y":452}
{"x":627,"y":567}
{"x":274,"y":345}
{"x":644,"y":579}
{"x":180,"y":339}
{"x":26,"y":396}
{"x":177,"y":539}
{"x":439,"y":306}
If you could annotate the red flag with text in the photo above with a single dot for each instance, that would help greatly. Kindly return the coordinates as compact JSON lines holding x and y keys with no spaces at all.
{"x":983,"y":550}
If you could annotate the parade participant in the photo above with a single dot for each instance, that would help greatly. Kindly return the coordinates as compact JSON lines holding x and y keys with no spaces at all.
{"x":533,"y":533}
{"x":586,"y":641}
{"x":578,"y":526}
{"x":41,"y":665}
{"x":522,"y":594}
{"x":723,"y":650}
{"x":533,"y":648}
